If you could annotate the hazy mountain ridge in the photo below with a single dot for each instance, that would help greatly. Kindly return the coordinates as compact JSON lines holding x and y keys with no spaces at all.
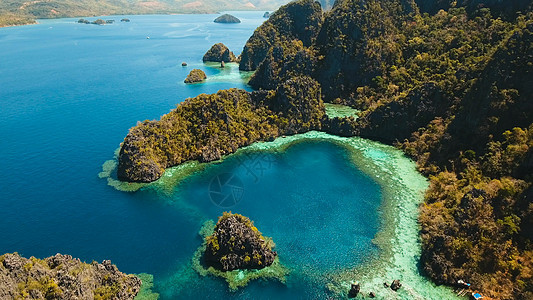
{"x":17,"y":12}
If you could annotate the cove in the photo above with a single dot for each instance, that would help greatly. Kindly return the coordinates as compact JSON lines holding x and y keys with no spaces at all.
{"x":74,"y":90}
{"x":339,"y":210}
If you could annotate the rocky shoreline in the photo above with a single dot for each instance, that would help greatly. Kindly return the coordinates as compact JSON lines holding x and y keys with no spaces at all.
{"x":63,"y":277}
{"x":451,"y":89}
{"x":237,"y":278}
{"x":207,"y":127}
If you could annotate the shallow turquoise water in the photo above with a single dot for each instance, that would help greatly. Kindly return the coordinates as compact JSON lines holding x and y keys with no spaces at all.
{"x":321,"y":211}
{"x":68,"y":95}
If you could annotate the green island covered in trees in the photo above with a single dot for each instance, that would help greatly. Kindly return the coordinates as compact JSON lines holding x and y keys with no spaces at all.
{"x":195,"y":76}
{"x":234,"y":249}
{"x":448,"y":82}
{"x":237,"y":244}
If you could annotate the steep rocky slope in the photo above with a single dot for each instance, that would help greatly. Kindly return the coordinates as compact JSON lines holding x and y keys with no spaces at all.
{"x":207,"y":127}
{"x":297,"y":21}
{"x":63,"y":277}
{"x":237,"y":244}
{"x":219,"y":53}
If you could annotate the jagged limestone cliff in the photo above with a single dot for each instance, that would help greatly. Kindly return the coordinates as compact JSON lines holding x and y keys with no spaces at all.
{"x":63,"y":277}
{"x":219,"y":53}
{"x":237,"y":244}
{"x":207,"y":127}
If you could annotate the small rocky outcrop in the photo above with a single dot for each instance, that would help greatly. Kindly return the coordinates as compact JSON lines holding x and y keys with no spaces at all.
{"x":219,"y":53}
{"x":227,"y":18}
{"x":63,"y":277}
{"x":237,"y":244}
{"x":266,"y":15}
{"x":98,"y":22}
{"x":354,"y":290}
{"x":195,"y":75}
{"x":395,"y":285}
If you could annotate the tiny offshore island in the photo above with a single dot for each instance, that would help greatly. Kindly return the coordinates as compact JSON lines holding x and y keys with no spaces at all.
{"x":234,"y":249}
{"x":449,"y":84}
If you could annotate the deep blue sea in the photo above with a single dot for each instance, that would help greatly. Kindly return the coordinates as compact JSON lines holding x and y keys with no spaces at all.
{"x":69,"y":93}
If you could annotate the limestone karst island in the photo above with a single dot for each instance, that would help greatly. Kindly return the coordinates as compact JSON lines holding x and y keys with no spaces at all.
{"x":362,"y":149}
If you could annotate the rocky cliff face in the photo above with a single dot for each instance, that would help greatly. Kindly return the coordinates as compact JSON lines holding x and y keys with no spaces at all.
{"x":63,"y":277}
{"x":219,"y":53}
{"x":237,"y":244}
{"x":419,"y":107}
{"x":297,"y":21}
{"x":207,"y":127}
{"x":196,"y":75}
{"x":498,"y":101}
{"x":283,"y":63}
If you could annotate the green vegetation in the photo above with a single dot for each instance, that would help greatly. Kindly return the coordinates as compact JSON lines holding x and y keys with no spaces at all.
{"x":236,"y":278}
{"x":477,"y":221}
{"x":45,"y":286}
{"x":207,"y":127}
{"x":13,"y":19}
{"x":219,"y":53}
{"x":452,"y":89}
{"x":196,"y":75}
{"x":289,"y":29}
{"x":237,"y":244}
{"x":62,"y":277}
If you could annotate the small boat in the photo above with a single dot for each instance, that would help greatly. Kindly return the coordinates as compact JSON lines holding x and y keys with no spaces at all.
{"x":147,"y":37}
{"x":477,"y":296}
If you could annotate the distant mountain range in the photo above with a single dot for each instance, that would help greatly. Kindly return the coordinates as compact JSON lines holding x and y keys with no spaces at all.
{"x":18,"y":12}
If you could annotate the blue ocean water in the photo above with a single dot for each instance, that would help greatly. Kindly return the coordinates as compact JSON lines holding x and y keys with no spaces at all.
{"x":68,"y":95}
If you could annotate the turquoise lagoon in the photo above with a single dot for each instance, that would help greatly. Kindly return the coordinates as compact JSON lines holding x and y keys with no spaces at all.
{"x":338,"y":209}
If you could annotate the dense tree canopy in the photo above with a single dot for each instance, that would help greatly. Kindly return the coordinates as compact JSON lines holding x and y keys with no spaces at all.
{"x":453,"y":88}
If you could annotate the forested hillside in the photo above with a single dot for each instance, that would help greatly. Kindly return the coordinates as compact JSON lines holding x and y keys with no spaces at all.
{"x":453,"y":88}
